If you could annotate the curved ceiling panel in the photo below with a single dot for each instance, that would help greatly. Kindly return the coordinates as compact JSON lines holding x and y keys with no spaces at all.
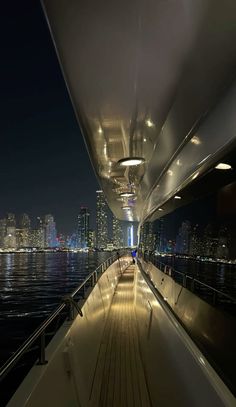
{"x":142,"y":75}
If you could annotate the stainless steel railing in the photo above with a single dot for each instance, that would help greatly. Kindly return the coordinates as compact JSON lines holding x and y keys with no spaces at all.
{"x":211,"y":294}
{"x":68,"y":305}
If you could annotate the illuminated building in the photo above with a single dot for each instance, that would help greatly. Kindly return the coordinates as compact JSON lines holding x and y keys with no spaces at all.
{"x":35,"y":238}
{"x":101,"y":221}
{"x":92,"y":239}
{"x":10,"y":237}
{"x":23,"y":235}
{"x":83,"y":228}
{"x":130,"y":236}
{"x":117,"y":233}
{"x":147,"y":237}
{"x":3,"y":226}
{"x":183,"y":238}
{"x":41,"y":232}
{"x":50,"y":231}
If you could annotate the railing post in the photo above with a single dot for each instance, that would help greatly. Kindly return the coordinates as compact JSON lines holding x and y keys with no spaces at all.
{"x":192,"y":285}
{"x":84,"y":291}
{"x":184,"y":280}
{"x":42,"y":360}
{"x":214,"y":300}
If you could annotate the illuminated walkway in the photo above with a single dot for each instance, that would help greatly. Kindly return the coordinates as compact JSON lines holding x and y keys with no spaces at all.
{"x":119,"y":378}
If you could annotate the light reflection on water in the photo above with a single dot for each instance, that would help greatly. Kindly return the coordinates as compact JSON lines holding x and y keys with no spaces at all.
{"x":32,"y":285}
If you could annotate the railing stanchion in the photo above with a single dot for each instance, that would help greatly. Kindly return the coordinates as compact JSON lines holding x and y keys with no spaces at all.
{"x":42,"y":360}
{"x":192,"y":285}
{"x":214,"y":297}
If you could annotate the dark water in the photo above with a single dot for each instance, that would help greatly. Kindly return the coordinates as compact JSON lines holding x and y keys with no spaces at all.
{"x":32,"y":285}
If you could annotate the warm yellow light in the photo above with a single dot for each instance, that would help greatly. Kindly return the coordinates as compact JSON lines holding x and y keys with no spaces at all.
{"x":195,"y":175}
{"x":160,"y":209}
{"x":149,"y":123}
{"x":126,"y":208}
{"x":223,"y":166}
{"x":177,"y":197}
{"x":195,"y":140}
{"x":126,"y":194}
{"x":132,"y":161}
{"x":100,"y":130}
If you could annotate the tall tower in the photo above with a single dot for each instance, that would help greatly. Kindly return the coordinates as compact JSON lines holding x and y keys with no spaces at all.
{"x":101,"y":221}
{"x":10,"y":238}
{"x":117,"y":233}
{"x":3,"y":231}
{"x":50,"y":231}
{"x":130,"y":235}
{"x":83,"y":228}
{"x":24,"y":231}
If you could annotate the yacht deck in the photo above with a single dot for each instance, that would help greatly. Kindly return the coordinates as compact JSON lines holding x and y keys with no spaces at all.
{"x":120,"y":378}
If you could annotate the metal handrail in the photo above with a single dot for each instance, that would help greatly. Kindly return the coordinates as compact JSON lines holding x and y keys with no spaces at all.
{"x":186,"y":276}
{"x":40,"y":332}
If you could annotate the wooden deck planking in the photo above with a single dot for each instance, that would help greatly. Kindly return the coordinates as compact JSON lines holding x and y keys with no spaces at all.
{"x":119,"y":378}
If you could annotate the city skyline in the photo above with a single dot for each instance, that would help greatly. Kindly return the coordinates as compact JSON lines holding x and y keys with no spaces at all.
{"x":24,"y":232}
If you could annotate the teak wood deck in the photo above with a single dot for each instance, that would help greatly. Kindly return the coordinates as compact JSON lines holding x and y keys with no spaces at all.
{"x":119,"y":378}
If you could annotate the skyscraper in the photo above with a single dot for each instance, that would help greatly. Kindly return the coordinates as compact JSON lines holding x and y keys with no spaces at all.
{"x":101,"y":221}
{"x":10,"y":237}
{"x":50,"y":231}
{"x":24,"y":231}
{"x":41,"y":232}
{"x":183,"y":238}
{"x":130,"y":235}
{"x":83,"y":228}
{"x":117,"y":233}
{"x":3,"y":230}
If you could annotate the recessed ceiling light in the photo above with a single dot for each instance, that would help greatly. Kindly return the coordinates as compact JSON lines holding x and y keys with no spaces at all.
{"x":127,"y":194}
{"x":195,"y":140}
{"x":131,"y":161}
{"x":177,"y":197}
{"x":223,"y":166}
{"x":149,"y":123}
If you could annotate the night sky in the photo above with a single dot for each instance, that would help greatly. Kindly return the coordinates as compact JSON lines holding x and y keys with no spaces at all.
{"x":43,"y":159}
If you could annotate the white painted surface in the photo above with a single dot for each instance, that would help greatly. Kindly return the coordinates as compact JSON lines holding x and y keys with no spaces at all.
{"x":176,"y":372}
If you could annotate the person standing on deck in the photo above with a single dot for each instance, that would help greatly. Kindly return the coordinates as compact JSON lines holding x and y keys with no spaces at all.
{"x":133,"y":254}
